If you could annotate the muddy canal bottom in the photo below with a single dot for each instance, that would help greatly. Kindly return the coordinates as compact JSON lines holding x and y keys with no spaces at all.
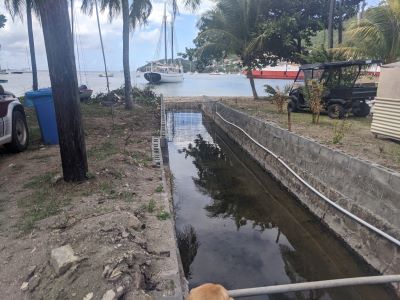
{"x":238,"y":227}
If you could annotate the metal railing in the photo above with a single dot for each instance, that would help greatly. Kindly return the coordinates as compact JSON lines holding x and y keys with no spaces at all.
{"x":324,"y":284}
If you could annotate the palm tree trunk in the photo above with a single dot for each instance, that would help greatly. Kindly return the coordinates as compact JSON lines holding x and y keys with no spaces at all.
{"x":102,"y":46}
{"x":340,"y":25}
{"x":330,"y":23}
{"x":31,"y":45}
{"x":125,"y":42}
{"x":64,"y":84}
{"x":253,"y":86}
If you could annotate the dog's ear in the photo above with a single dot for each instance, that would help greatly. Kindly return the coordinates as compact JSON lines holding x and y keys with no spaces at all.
{"x":209,"y":291}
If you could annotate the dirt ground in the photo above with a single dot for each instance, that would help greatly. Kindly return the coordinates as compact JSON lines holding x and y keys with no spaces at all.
{"x":357,"y":138}
{"x":107,"y":220}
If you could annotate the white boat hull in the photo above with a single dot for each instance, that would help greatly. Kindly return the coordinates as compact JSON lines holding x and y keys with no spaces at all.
{"x":157,"y":77}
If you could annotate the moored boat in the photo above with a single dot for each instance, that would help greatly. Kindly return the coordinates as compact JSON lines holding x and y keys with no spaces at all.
{"x":167,"y":72}
{"x":85,"y":93}
{"x":108,"y":75}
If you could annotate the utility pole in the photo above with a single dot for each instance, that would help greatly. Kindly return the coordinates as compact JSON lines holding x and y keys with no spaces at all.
{"x":64,"y":83}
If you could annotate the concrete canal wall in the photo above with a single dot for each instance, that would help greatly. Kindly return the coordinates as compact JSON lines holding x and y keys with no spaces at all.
{"x":369,"y":191}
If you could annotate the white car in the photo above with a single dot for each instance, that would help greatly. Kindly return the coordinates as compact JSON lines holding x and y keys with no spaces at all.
{"x":14,"y":134}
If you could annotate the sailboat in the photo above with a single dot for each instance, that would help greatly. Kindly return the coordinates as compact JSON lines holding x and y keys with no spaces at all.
{"x":165,"y":72}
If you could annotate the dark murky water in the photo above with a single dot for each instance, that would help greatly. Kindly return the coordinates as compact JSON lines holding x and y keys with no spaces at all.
{"x":240,"y":228}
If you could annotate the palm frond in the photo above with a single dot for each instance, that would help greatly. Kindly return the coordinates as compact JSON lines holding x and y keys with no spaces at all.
{"x":15,"y":8}
{"x":139,"y":13}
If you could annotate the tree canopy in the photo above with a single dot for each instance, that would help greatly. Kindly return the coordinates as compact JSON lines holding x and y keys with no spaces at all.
{"x":376,"y":35}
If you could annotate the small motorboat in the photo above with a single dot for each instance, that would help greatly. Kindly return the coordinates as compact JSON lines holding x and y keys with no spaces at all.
{"x":85,"y":93}
{"x":3,"y":80}
{"x":108,"y":74}
{"x":17,"y":72}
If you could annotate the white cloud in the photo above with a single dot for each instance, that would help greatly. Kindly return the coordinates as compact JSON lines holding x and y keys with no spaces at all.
{"x":150,"y":36}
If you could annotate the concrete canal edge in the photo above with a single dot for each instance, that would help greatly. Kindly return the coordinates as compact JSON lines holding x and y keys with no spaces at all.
{"x":369,"y":191}
{"x":163,"y":239}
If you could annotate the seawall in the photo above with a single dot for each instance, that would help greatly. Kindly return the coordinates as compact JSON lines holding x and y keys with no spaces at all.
{"x":367,"y":190}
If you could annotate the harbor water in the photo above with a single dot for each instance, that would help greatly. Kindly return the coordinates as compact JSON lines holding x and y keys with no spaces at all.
{"x":193,"y":85}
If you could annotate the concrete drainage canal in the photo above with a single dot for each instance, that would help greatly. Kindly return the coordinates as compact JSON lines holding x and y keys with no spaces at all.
{"x":238,"y":227}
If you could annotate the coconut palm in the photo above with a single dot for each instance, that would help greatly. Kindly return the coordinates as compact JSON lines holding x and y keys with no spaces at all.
{"x":16,"y":7}
{"x":376,"y":35}
{"x":230,"y":28}
{"x":132,"y":15}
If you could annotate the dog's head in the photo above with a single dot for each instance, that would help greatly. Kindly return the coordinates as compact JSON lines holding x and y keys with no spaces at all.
{"x":209,"y":291}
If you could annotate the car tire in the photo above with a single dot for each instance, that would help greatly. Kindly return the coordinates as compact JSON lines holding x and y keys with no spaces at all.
{"x":336,"y":111}
{"x":20,"y":133}
{"x":361,"y":110}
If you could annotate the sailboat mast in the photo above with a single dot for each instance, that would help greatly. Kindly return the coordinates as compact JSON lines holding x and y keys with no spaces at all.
{"x":172,"y":38}
{"x":165,"y":32}
{"x":72,"y":22}
{"x":102,"y":46}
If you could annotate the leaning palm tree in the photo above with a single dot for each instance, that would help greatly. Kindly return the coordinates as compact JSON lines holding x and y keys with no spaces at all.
{"x":376,"y":35}
{"x":16,"y":7}
{"x":230,"y":28}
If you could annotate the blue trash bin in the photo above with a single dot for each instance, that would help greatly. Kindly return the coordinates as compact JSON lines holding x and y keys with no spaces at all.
{"x":44,"y":106}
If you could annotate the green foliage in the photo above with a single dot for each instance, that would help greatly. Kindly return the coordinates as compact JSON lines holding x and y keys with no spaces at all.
{"x":321,"y":54}
{"x":146,"y":96}
{"x":2,"y":21}
{"x":159,"y":189}
{"x":269,"y":90}
{"x":279,"y":96}
{"x":151,"y":206}
{"x":376,"y":35}
{"x":163,"y":215}
{"x":313,"y":92}
{"x":340,"y":128}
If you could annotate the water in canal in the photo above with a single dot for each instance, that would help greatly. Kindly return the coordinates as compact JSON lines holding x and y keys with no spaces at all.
{"x":238,"y":227}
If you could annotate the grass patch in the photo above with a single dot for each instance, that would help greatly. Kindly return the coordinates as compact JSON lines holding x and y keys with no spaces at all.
{"x":159,"y":189}
{"x":41,"y":204}
{"x":103,"y":151}
{"x":151,"y":206}
{"x":93,"y":109}
{"x":163,"y":215}
{"x":39,"y":181}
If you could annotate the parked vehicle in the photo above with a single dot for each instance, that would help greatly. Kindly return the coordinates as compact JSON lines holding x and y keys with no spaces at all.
{"x":14,"y":134}
{"x":342,"y":95}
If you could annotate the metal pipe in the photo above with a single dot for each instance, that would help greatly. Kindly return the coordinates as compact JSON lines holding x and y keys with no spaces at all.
{"x":324,"y":284}
{"x":338,"y":207}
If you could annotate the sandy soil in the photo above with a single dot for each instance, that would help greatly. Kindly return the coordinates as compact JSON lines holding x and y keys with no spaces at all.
{"x":358,"y":140}
{"x":106,"y":219}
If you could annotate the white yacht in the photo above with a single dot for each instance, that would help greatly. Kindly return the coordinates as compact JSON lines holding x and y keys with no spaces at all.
{"x":164,"y":73}
{"x":169,"y":71}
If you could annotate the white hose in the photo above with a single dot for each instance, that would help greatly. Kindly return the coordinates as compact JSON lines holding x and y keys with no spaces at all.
{"x":324,"y":284}
{"x":338,"y":207}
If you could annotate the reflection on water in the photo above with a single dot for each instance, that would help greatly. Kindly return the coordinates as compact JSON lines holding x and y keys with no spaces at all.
{"x":241,"y":228}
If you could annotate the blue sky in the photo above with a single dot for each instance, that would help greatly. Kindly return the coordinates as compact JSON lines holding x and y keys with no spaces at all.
{"x":13,"y":38}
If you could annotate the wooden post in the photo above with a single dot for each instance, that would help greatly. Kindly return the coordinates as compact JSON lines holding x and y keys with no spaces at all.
{"x":64,"y":83}
{"x":289,"y":120}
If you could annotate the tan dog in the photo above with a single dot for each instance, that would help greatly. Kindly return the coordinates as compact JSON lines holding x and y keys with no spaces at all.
{"x":209,"y":291}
